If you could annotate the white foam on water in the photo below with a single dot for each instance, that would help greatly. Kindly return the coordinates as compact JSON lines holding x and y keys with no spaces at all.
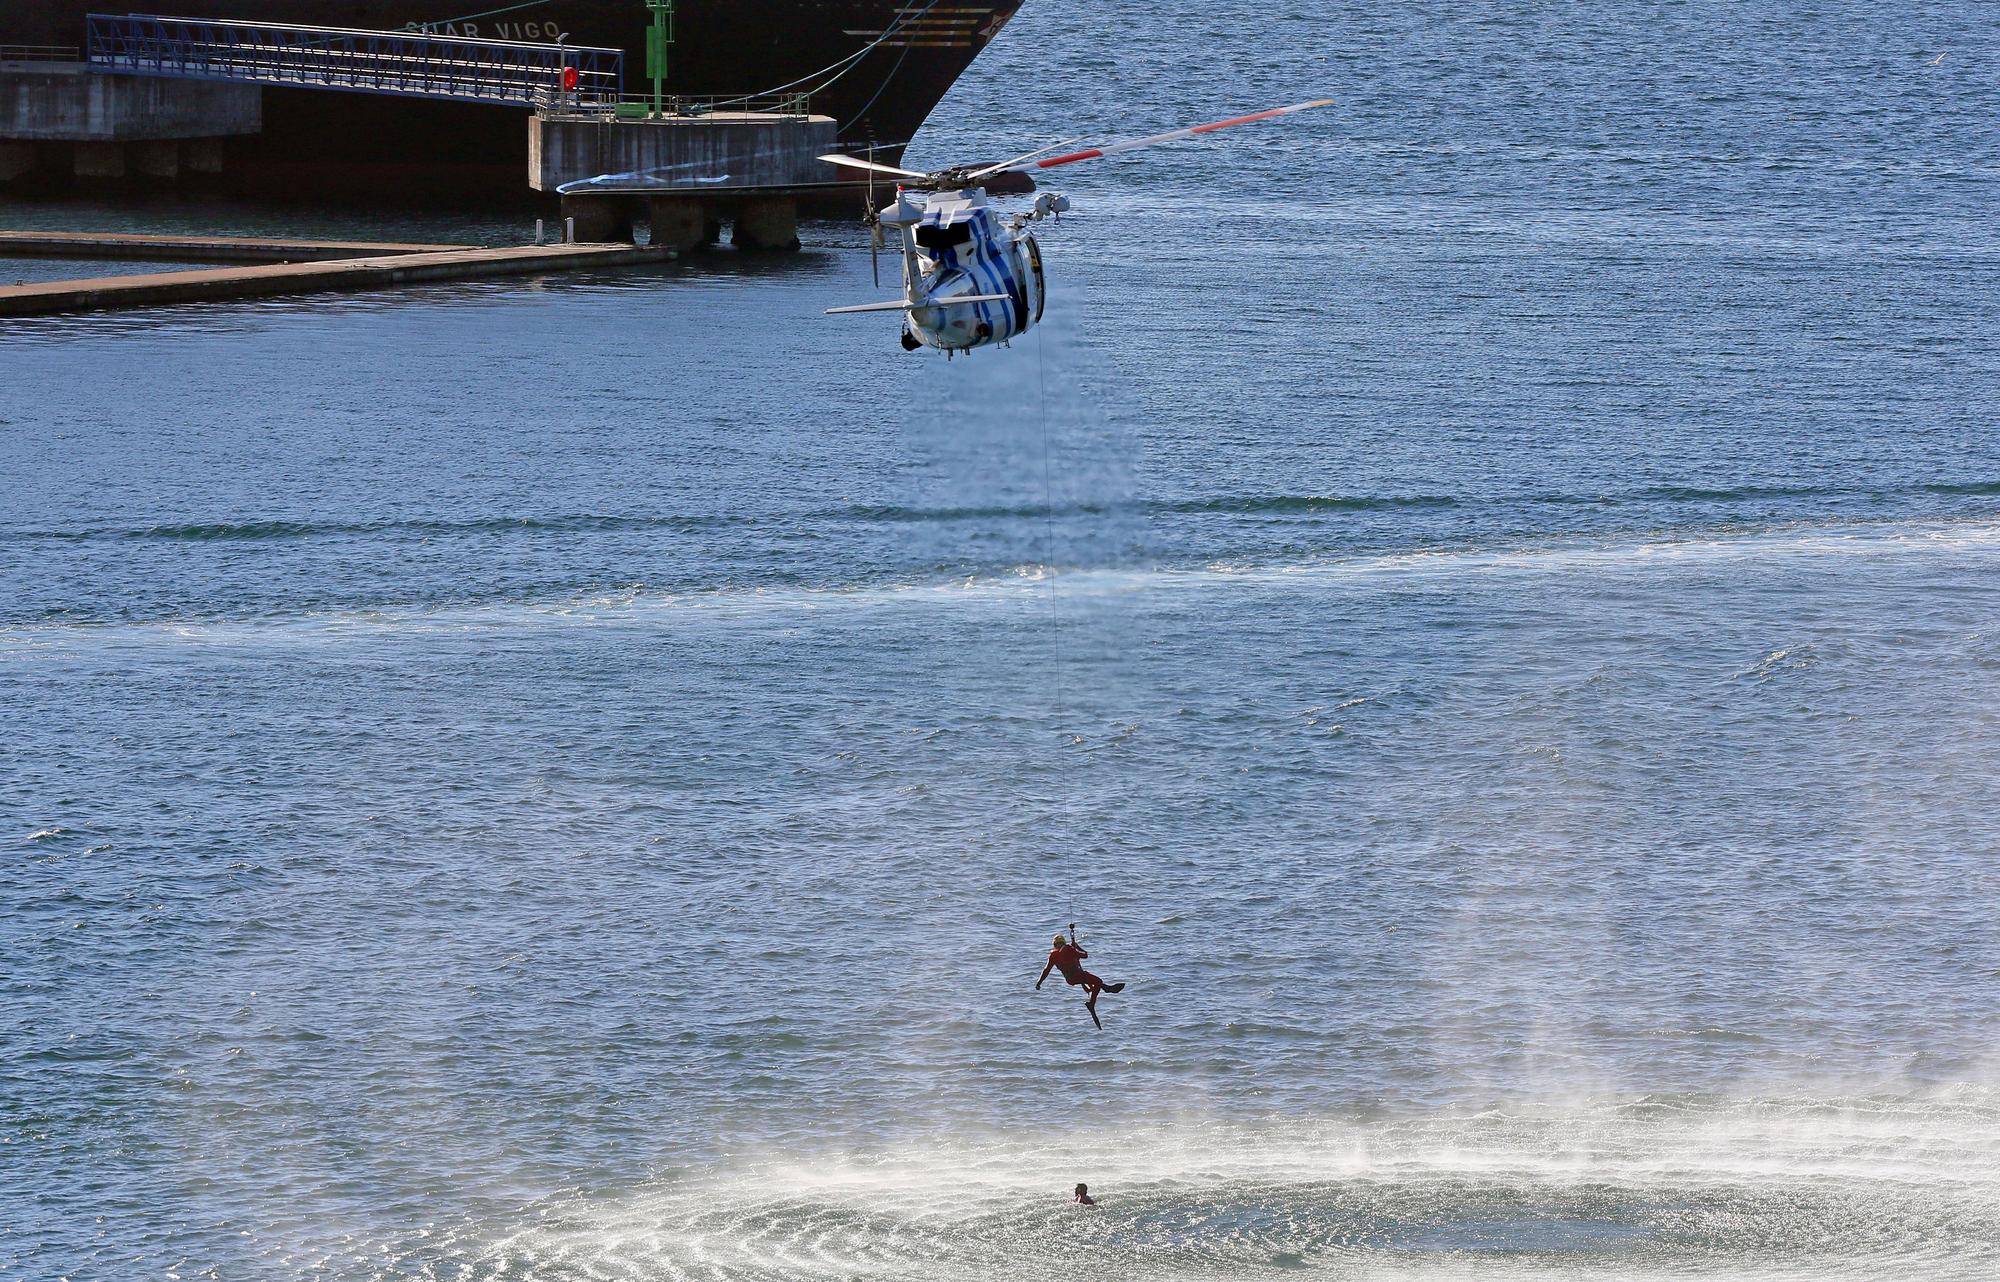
{"x":1662,"y":1189}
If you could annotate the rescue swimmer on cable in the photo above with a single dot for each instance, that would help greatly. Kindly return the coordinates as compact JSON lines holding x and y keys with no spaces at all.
{"x":969,"y":278}
{"x":1068,"y":957}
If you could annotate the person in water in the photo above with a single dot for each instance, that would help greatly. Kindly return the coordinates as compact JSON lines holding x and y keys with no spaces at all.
{"x":1068,"y":958}
{"x":1083,"y":1197}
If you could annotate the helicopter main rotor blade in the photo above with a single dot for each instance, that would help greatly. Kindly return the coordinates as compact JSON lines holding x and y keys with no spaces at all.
{"x":854,"y":163}
{"x":1133,"y":144}
{"x":1006,"y":165}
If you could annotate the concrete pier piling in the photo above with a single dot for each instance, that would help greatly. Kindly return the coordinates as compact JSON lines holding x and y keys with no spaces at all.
{"x":17,"y":158}
{"x":766,"y":223}
{"x":598,"y":222}
{"x":679,"y":223}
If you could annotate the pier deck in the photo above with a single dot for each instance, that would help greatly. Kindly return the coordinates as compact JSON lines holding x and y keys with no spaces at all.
{"x":197,"y":249}
{"x":161,"y":288}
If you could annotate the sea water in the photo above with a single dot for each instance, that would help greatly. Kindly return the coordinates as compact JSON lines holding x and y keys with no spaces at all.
{"x":1480,"y":604}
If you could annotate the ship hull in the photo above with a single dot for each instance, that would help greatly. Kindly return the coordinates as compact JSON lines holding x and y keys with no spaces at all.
{"x":914,"y":51}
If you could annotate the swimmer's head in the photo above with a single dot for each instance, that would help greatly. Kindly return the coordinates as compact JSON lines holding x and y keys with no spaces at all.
{"x":1060,"y":941}
{"x":1082,"y":1189}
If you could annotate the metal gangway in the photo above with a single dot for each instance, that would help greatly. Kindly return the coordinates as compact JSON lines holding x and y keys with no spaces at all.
{"x":412,"y":64}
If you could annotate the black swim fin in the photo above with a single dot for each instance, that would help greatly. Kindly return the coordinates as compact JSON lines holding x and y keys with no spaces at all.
{"x":1114,"y":988}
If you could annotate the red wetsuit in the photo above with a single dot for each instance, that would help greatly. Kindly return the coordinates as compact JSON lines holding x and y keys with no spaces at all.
{"x":1069,"y":960}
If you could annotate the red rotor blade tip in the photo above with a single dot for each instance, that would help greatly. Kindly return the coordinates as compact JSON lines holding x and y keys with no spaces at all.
{"x":1070,"y":159}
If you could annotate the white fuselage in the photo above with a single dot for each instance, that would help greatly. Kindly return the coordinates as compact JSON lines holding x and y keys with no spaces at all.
{"x":956,"y":246}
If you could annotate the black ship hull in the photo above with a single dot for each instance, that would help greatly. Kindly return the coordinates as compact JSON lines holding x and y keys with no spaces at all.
{"x":314,"y":140}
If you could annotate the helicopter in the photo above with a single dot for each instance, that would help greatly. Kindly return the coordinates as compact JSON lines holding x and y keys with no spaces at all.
{"x":970,"y":278}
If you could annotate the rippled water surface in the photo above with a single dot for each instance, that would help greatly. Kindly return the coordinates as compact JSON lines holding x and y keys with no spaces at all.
{"x":1480,"y":604}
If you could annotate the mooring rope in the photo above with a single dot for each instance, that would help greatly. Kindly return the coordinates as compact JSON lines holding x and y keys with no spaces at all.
{"x":844,"y":65}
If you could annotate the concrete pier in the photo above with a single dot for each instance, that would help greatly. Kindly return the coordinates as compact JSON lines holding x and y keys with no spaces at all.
{"x":113,"y":126}
{"x":162,"y":288}
{"x":725,"y":149}
{"x":683,"y":175}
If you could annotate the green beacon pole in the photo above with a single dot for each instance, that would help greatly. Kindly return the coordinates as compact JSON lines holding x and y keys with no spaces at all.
{"x":658,"y":37}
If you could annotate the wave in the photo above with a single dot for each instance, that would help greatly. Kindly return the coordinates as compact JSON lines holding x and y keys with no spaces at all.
{"x":640,"y":603}
{"x":1751,"y":493}
{"x":1647,"y":1187}
{"x":883,"y":514}
{"x":205,"y":532}
{"x":1306,"y":503}
{"x":864,"y":514}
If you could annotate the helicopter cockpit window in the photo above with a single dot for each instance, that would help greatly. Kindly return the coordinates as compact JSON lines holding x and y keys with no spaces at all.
{"x":934,"y":237}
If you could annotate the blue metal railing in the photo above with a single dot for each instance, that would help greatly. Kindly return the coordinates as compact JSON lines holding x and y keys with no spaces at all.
{"x":407,"y":63}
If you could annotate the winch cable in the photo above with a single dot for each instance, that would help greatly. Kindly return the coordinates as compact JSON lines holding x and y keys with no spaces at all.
{"x":1055,"y":613}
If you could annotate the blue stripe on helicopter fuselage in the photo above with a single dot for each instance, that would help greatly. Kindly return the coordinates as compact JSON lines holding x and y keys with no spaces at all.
{"x":990,"y":271}
{"x":972,"y":267}
{"x":1010,"y":283}
{"x":949,"y":260}
{"x":971,"y":264}
{"x":983,"y":273}
{"x":990,"y":256}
